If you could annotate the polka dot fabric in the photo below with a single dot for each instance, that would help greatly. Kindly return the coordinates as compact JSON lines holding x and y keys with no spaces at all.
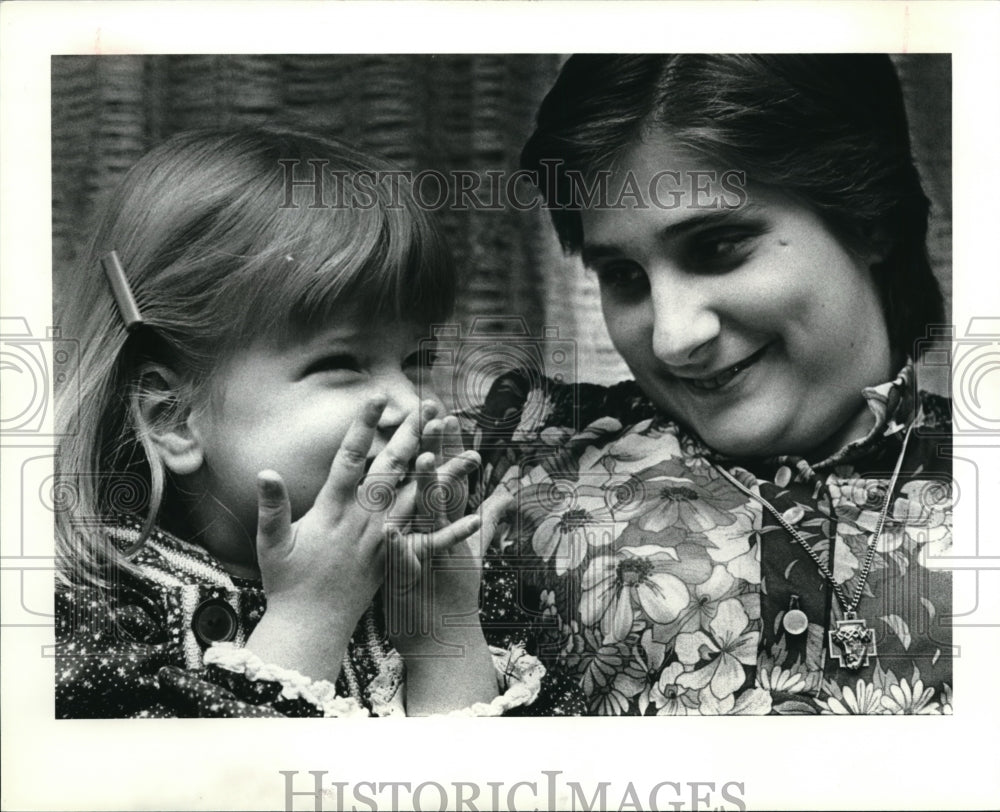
{"x":136,"y":647}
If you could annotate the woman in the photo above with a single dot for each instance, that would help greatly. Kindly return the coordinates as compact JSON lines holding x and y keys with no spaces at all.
{"x":750,"y":525}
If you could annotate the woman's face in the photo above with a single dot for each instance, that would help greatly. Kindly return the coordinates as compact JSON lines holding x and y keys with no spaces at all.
{"x":741,"y":315}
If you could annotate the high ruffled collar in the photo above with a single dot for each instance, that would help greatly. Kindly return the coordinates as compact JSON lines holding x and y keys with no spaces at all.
{"x":894,"y":406}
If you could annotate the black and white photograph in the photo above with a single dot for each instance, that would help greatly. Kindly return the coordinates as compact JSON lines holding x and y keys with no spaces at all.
{"x":609,"y":387}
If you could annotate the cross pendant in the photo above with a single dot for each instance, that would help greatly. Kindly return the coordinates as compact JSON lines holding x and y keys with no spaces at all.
{"x":852,"y":643}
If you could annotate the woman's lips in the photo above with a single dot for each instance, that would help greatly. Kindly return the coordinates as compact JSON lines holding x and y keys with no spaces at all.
{"x":721,"y":379}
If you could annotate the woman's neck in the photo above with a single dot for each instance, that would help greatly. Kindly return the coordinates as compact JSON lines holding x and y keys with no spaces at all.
{"x":860,"y":424}
{"x":856,"y":428}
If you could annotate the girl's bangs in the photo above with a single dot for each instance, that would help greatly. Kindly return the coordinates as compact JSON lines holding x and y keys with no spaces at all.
{"x":309,"y":264}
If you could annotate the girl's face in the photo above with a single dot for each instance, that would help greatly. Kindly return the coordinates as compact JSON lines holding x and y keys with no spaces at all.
{"x":753,"y":324}
{"x":287,"y":408}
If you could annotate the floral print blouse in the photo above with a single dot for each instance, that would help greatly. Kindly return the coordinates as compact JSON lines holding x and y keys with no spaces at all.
{"x":636,"y":566}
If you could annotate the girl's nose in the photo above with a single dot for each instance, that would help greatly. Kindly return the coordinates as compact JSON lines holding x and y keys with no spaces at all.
{"x":403,"y":398}
{"x":684,"y":320}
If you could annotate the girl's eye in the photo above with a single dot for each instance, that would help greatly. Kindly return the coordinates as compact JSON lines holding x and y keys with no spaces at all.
{"x":334,"y":363}
{"x":418,"y":366}
{"x":420,"y":359}
{"x":623,"y":278}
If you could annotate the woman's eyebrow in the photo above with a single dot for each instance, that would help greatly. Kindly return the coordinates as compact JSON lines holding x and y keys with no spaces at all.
{"x":592,"y":252}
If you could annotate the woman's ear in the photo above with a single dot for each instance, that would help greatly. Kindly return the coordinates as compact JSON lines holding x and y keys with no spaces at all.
{"x":877,"y":246}
{"x":163,"y":407}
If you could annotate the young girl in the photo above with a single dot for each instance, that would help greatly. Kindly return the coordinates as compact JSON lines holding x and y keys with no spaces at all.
{"x":252,"y":462}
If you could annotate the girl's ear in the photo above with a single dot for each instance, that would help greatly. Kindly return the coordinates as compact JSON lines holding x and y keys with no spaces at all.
{"x":164,"y":409}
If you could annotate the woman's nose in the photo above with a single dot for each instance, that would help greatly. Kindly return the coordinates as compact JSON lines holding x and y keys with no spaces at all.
{"x":684,"y":321}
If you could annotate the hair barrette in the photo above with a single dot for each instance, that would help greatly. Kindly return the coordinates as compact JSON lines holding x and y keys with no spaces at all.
{"x":122,"y":292}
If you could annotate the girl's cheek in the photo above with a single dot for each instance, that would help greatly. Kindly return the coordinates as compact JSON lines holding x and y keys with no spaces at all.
{"x":437,"y":384}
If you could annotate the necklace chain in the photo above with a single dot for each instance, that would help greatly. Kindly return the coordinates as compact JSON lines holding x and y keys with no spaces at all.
{"x":849,"y":606}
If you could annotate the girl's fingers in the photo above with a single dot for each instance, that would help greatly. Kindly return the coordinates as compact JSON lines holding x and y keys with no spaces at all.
{"x":402,"y":504}
{"x":454,"y":478}
{"x":402,"y":561}
{"x":462,"y":465}
{"x":493,"y":511}
{"x":274,"y":511}
{"x":446,"y":538}
{"x":349,"y":462}
{"x":406,"y":551}
{"x":429,"y":410}
{"x":393,"y":461}
{"x":432,"y":439}
{"x":452,"y":432}
{"x":427,"y":480}
{"x":433,"y":497}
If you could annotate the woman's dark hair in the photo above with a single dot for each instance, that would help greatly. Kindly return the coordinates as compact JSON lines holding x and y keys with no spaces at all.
{"x":828,"y":129}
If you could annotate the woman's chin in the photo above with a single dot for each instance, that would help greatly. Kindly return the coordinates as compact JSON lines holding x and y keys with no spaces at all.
{"x":751,"y":439}
{"x":730,"y":446}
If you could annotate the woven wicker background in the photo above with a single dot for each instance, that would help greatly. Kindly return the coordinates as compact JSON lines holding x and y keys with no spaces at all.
{"x":421,"y":111}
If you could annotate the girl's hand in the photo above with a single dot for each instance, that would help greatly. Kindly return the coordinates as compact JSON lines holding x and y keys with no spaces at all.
{"x":433,"y":572}
{"x":432,"y":590}
{"x":321,"y":572}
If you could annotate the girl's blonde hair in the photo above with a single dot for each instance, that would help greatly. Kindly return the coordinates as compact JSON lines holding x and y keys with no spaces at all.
{"x":221,"y":248}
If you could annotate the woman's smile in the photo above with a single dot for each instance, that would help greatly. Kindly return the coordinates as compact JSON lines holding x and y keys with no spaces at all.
{"x":718,"y":382}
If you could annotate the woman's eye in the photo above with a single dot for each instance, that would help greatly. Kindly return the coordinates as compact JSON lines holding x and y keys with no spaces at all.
{"x":624,"y":278}
{"x":719,"y":252}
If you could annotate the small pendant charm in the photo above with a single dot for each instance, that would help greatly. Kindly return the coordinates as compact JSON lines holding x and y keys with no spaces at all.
{"x":795,"y":620}
{"x":852,"y":643}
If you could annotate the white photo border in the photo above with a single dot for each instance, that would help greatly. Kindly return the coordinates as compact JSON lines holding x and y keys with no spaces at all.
{"x":865,"y":763}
